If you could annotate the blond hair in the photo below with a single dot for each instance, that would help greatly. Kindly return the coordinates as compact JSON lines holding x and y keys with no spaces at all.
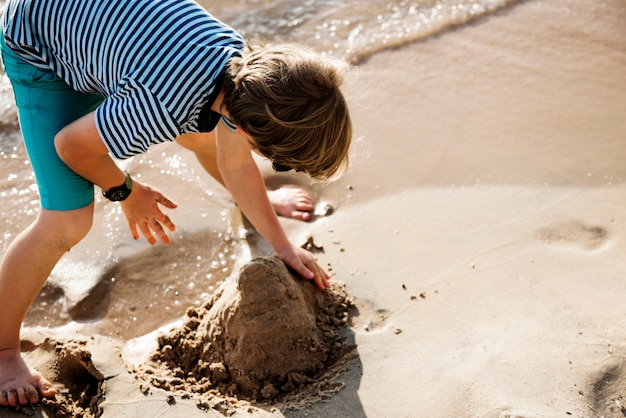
{"x":288,"y":100}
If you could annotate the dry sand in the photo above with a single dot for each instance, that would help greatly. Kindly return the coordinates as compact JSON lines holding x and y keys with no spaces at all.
{"x":480,"y":232}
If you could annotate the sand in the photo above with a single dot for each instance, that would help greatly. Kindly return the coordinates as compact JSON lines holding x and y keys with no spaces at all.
{"x":480,"y":234}
{"x":262,"y":337}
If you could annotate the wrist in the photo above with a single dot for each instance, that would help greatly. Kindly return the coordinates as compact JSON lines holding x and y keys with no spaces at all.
{"x":121,"y":192}
{"x":284,"y":251}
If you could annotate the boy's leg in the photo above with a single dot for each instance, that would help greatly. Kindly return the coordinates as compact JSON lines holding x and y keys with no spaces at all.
{"x":45,"y":105}
{"x":290,"y":202}
{"x":25,"y":267}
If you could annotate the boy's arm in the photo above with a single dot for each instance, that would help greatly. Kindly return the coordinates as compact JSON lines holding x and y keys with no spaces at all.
{"x":79,"y":145}
{"x":243,"y":179}
{"x":204,"y":148}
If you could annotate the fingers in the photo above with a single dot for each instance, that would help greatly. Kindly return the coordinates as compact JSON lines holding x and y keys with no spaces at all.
{"x":146,"y":231}
{"x":149,"y":229}
{"x":133,"y":230}
{"x":166,"y":202}
{"x":312,"y":271}
{"x":321,"y":277}
{"x":145,"y":217}
{"x":305,"y":264}
{"x":165,"y":220}
{"x":160,"y":232}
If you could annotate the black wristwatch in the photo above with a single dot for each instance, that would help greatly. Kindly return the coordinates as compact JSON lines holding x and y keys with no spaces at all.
{"x":119,"y":193}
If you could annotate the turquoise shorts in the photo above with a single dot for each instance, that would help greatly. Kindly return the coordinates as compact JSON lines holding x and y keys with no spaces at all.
{"x":45,"y":105}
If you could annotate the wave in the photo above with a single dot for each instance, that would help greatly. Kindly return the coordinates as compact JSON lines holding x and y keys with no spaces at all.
{"x":350,"y":30}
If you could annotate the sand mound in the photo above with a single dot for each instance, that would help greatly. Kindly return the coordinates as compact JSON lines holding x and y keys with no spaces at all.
{"x":262,"y":336}
{"x":79,"y":384}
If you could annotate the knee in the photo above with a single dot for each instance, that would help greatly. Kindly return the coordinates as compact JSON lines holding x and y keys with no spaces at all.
{"x":65,"y":229}
{"x":77,"y":231}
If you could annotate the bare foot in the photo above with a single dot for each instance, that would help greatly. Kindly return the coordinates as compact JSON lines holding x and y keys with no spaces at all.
{"x":19,"y":384}
{"x":292,"y":202}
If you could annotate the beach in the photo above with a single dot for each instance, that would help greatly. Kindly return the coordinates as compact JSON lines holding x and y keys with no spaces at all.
{"x":480,"y":234}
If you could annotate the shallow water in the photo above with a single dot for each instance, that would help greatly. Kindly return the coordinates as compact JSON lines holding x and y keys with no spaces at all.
{"x":349,"y":30}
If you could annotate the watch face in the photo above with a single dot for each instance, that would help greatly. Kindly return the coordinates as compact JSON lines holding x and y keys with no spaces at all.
{"x":118,"y":195}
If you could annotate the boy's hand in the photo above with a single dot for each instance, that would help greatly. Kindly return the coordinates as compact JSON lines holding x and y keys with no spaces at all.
{"x":142,"y":211}
{"x":304,"y":263}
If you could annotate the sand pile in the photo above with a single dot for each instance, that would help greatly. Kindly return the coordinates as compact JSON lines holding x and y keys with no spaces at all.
{"x":262,"y":336}
{"x":68,"y":365}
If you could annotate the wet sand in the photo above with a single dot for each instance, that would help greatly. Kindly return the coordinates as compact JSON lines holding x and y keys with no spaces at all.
{"x":480,"y":233}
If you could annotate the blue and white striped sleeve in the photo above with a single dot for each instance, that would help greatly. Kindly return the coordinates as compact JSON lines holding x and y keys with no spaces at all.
{"x":132,"y":119}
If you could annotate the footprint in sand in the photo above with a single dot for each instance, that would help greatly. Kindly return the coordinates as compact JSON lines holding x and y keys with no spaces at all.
{"x":605,"y":388}
{"x":575,"y":234}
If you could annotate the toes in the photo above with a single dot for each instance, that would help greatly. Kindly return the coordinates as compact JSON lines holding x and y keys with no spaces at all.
{"x":303,"y":216}
{"x":304,"y":206}
{"x":46,"y":390}
{"x":12,"y":398}
{"x":31,"y":396}
{"x":291,"y":202}
{"x":22,"y":397}
{"x":304,"y":200}
{"x":303,"y":203}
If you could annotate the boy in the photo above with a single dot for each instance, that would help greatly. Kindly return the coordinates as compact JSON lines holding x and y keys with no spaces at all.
{"x":99,"y":78}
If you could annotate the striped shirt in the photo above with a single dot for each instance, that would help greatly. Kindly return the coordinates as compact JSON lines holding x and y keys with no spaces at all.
{"x":157,"y":63}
